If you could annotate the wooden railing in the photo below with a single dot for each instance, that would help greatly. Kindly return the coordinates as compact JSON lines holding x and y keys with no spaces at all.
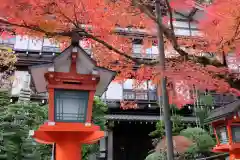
{"x":221,"y":99}
{"x":51,"y":49}
{"x":147,"y":56}
{"x":129,"y":94}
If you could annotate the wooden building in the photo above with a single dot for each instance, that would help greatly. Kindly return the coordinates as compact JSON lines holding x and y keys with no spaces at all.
{"x":125,"y":127}
{"x":127,"y":134}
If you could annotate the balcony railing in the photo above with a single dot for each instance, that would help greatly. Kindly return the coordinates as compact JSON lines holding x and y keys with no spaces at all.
{"x":129,"y":94}
{"x":51,"y":49}
{"x":221,"y":99}
{"x":148,"y":56}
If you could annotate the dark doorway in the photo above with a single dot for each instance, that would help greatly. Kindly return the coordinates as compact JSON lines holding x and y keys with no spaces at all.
{"x":131,"y":141}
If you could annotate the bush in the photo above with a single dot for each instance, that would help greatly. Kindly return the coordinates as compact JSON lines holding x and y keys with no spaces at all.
{"x":203,"y":142}
{"x":15,"y":122}
{"x":156,"y":156}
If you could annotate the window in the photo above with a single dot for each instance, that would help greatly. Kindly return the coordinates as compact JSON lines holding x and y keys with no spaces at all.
{"x":137,"y":47}
{"x":49,"y":46}
{"x":130,"y":84}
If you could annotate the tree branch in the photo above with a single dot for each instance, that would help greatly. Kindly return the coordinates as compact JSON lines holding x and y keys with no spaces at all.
{"x":237,"y":29}
{"x":169,"y":33}
{"x":170,"y":15}
{"x":110,"y":47}
{"x":172,"y":37}
{"x":35,"y":28}
{"x":144,"y":9}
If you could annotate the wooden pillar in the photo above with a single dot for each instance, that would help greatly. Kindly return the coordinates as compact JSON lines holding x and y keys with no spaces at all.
{"x":110,"y":145}
{"x":234,"y":155}
{"x":102,"y":147}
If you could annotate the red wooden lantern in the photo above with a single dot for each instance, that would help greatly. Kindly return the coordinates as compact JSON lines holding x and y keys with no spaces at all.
{"x":71,"y":80}
{"x":226,"y":124}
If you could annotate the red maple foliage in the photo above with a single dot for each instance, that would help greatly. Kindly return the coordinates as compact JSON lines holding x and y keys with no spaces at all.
{"x":221,"y":26}
{"x":100,"y":21}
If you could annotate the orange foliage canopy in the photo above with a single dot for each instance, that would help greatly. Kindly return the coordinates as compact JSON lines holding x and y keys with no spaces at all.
{"x":97,"y":20}
{"x":221,"y":26}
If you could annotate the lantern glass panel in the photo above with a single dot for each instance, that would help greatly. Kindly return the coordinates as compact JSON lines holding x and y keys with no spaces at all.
{"x":70,"y":105}
{"x":236,"y":133}
{"x":222,"y":134}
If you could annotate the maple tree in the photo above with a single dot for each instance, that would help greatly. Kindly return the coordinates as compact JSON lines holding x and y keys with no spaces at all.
{"x":101,"y":21}
{"x":221,"y":26}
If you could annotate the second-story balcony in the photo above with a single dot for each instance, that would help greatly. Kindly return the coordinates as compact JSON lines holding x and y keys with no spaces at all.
{"x":147,"y":56}
{"x":222,"y":99}
{"x":144,"y":95}
{"x":51,"y":49}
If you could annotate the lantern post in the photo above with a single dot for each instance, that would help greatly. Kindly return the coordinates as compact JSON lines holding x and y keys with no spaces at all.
{"x":226,"y":126}
{"x":71,"y":80}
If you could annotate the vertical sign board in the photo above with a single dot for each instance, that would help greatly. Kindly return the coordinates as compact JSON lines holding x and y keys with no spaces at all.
{"x":18,"y":83}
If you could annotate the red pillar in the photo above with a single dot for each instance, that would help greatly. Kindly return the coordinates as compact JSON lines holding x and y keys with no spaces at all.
{"x":68,"y":150}
{"x":234,"y":155}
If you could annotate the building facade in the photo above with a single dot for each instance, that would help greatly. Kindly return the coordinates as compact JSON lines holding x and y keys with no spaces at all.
{"x":127,"y":134}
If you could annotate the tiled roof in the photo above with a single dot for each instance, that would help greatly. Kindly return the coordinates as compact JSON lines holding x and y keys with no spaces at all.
{"x":117,"y":117}
{"x":224,"y":111}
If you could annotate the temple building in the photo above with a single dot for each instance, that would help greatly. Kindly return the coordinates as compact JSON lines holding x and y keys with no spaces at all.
{"x":124,"y":127}
{"x":127,"y":134}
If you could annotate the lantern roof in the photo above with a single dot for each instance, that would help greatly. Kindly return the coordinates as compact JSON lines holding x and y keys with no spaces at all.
{"x":62,"y":63}
{"x":224,"y":111}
